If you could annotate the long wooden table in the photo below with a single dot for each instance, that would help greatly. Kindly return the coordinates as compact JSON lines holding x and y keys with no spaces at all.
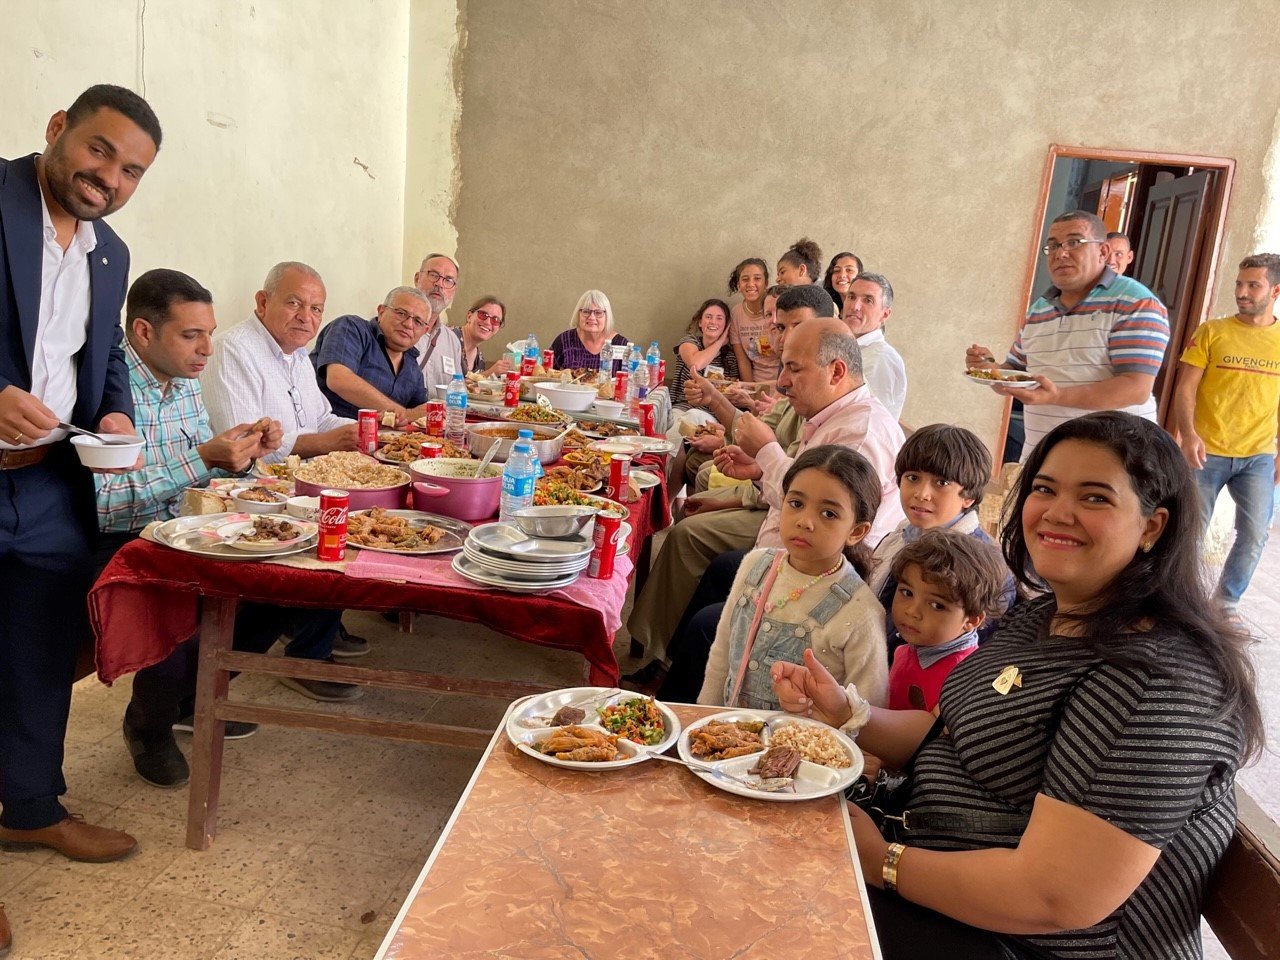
{"x":647,"y":861}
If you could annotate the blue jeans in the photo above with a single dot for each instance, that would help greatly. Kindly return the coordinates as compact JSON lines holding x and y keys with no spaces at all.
{"x":1250,"y":481}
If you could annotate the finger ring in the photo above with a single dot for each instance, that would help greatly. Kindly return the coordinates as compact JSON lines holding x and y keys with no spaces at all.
{"x":19,"y":438}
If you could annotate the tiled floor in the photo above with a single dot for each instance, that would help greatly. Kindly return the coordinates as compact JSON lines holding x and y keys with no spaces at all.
{"x":320,"y":837}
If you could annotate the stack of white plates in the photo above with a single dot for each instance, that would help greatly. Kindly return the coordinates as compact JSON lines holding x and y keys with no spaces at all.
{"x":500,"y":555}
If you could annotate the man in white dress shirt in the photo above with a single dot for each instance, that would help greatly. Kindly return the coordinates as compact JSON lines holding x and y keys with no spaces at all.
{"x":439,"y":351}
{"x":867,"y":306}
{"x":262,"y":366}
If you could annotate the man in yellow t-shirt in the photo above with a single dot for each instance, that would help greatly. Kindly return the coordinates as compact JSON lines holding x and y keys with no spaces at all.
{"x":1227,"y":411}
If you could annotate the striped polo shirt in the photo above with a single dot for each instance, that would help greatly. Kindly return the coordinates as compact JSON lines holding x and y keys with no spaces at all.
{"x":1120,"y":327}
{"x":1142,"y":747}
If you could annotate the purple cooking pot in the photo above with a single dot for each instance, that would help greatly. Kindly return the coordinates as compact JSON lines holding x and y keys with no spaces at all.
{"x":447,"y":485}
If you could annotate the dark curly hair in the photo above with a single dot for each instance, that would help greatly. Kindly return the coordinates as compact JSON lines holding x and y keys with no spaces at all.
{"x":749,"y":262}
{"x":804,"y":253}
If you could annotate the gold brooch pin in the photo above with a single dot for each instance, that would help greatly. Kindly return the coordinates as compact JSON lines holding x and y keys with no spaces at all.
{"x":1009,"y":678}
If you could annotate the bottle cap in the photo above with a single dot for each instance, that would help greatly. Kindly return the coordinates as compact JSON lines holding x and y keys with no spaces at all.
{"x":525,"y":434}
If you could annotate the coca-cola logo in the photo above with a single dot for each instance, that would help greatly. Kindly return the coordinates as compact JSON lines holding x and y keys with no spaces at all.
{"x":332,"y":516}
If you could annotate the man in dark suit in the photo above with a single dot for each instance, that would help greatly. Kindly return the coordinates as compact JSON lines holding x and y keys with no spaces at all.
{"x":63,"y":276}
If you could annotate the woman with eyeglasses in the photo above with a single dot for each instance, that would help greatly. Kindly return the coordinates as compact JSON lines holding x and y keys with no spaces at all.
{"x":582,"y":346}
{"x":486,"y":317}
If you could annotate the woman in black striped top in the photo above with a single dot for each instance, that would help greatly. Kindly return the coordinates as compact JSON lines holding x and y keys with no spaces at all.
{"x":1076,"y":793}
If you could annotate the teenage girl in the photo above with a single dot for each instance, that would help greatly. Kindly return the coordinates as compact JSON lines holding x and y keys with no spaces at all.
{"x":810,"y":593}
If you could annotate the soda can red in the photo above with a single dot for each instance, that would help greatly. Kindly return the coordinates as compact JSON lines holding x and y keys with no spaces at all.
{"x":647,"y":420}
{"x":527,"y":365}
{"x":367,"y":437}
{"x":431,"y":449}
{"x":435,"y":418}
{"x":620,"y":388}
{"x":662,"y":373}
{"x":605,"y":550}
{"x":511,"y":392}
{"x":333,"y":524}
{"x":619,"y":476}
{"x":548,"y":359}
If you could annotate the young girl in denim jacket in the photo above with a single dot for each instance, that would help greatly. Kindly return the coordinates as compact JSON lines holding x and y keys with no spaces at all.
{"x":810,"y":594}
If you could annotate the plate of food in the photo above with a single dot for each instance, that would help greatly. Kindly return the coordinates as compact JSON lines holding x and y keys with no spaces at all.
{"x":585,"y":478}
{"x":591,"y":728}
{"x":533,"y":413}
{"x":605,"y":505}
{"x":1001,"y":378}
{"x":405,"y":531}
{"x":266,"y":534}
{"x":603,"y":429}
{"x":283,"y":470}
{"x":400,"y":448}
{"x":771,"y":755}
{"x":630,"y":446}
{"x":209,"y":535}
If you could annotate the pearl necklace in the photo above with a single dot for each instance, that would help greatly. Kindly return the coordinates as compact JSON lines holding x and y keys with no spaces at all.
{"x":795,"y":594}
{"x":754,"y":316}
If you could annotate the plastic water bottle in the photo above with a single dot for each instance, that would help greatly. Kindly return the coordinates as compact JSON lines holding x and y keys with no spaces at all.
{"x":455,"y":411}
{"x":531,"y":356}
{"x":635,"y":359}
{"x":518,"y":477}
{"x":653,"y":358}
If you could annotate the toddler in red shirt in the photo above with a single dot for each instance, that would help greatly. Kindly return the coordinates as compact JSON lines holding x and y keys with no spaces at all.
{"x":948,"y":583}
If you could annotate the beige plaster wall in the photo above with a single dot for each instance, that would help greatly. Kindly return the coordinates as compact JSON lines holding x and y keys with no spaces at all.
{"x":646,"y":148}
{"x":285,"y":133}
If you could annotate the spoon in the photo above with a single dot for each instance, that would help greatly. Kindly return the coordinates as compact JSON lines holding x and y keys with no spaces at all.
{"x":104,"y":438}
{"x":486,"y":459}
{"x":763,"y":784}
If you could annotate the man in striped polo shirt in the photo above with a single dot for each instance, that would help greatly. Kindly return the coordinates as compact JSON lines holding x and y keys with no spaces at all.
{"x":1094,"y":341}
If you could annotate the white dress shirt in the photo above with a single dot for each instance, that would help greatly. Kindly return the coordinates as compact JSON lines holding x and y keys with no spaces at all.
{"x":884,"y":371}
{"x":433,"y":348}
{"x":63,"y":323}
{"x":249,"y":376}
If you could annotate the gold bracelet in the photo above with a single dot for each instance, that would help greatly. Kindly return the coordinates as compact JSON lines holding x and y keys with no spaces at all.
{"x":889,"y":871}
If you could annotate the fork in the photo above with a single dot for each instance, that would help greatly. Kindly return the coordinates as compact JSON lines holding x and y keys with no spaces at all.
{"x":764,"y":784}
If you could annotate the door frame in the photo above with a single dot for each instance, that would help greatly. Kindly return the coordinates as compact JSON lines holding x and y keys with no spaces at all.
{"x":1210,"y":248}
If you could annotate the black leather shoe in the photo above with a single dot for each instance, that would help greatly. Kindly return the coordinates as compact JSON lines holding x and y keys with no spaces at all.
{"x":157,"y":758}
{"x":235,"y":729}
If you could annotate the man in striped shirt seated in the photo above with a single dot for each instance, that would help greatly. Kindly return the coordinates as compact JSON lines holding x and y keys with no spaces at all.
{"x":1094,"y":341}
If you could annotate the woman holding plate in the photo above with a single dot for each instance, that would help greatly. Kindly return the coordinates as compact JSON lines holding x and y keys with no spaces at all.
{"x":1076,"y":792}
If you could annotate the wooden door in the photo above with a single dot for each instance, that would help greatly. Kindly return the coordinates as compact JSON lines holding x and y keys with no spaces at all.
{"x":1167,"y":260}
{"x":1113,"y":201}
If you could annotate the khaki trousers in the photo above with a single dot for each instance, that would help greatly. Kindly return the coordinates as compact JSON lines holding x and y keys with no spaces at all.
{"x":690,"y":547}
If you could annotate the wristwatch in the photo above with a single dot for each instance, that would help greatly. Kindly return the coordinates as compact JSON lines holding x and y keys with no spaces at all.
{"x":889,"y":870}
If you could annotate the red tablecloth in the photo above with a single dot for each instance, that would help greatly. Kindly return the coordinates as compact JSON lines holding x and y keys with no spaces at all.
{"x":145,"y":602}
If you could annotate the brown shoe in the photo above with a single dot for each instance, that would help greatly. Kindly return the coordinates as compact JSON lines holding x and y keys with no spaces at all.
{"x":6,"y":935}
{"x":74,"y":839}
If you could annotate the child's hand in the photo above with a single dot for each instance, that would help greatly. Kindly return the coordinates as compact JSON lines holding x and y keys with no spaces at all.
{"x":811,"y":690}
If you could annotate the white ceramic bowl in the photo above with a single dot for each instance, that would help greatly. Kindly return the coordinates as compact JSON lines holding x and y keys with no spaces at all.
{"x":95,"y":454}
{"x":257,"y":506}
{"x":304,"y":508}
{"x":440,"y":391}
{"x":566,"y":396}
{"x":609,"y":408}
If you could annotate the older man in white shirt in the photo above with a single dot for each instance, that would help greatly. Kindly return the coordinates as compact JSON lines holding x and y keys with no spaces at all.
{"x":261,"y":368}
{"x":867,"y":306}
{"x":439,"y":351}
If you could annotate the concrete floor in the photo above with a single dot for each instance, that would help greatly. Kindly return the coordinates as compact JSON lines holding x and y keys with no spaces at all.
{"x":321,"y":837}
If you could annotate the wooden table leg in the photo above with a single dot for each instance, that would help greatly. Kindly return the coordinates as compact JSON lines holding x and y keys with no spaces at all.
{"x":217,"y":628}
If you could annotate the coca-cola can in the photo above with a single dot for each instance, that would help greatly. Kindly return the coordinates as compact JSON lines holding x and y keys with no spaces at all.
{"x":605,"y":550}
{"x":367,"y":436}
{"x":333,"y":524}
{"x":662,"y":373}
{"x":431,"y":449}
{"x":435,"y":418}
{"x":619,"y":476}
{"x":647,"y":420}
{"x":548,"y":359}
{"x":620,"y":388}
{"x":527,"y":365}
{"x":511,"y":391}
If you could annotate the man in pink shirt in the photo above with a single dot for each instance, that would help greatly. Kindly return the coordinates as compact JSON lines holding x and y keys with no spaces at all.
{"x":822,"y":377}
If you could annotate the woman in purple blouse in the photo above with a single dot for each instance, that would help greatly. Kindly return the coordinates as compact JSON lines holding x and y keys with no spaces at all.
{"x":582,"y":346}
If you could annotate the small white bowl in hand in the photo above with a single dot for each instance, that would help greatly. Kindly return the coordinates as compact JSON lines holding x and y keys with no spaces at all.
{"x":97,"y":455}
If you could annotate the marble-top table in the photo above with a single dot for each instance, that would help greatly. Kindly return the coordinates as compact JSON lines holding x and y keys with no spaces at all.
{"x":646,"y":861}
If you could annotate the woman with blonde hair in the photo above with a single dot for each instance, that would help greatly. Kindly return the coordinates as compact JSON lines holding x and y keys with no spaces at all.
{"x":591,"y":329}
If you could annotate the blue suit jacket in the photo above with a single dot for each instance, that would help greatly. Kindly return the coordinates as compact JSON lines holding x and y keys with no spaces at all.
{"x":102,"y":384}
{"x":102,"y":381}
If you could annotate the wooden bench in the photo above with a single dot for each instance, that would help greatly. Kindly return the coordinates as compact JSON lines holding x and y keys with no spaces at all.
{"x":1243,"y":906}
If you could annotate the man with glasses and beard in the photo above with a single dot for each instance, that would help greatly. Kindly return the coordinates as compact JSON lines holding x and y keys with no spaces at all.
{"x":373,"y":364}
{"x":439,"y":352}
{"x":1093,"y":341}
{"x":63,"y":274}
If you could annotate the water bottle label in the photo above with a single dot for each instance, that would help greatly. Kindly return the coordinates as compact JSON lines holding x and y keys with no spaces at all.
{"x":517,"y":486}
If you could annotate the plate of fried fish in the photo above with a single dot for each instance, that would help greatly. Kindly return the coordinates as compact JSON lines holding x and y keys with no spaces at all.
{"x":591,"y":728}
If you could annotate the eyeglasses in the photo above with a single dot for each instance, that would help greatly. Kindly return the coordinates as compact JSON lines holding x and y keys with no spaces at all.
{"x":589,"y":313}
{"x":1053,"y":246}
{"x":487,"y":317}
{"x":447,"y":282}
{"x":419,"y":323}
